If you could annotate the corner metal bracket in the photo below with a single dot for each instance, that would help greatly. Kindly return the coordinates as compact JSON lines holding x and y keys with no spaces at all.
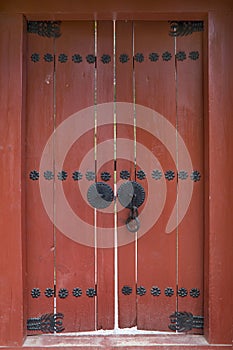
{"x":185,"y":321}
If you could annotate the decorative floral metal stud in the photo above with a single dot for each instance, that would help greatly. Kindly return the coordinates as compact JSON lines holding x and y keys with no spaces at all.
{"x":124,"y":174}
{"x":105,"y":176}
{"x":156,"y":174}
{"x":77,"y":175}
{"x":62,"y":175}
{"x":154,"y":56}
{"x":194,"y":292}
{"x":77,"y":58}
{"x":181,"y":56}
{"x":141,"y":175}
{"x":166,"y":56}
{"x":195,"y":176}
{"x":155,"y":291}
{"x":48,"y":57}
{"x":141,"y":291}
{"x":182,"y":292}
{"x":35,"y":292}
{"x":49,"y":292}
{"x":126,"y":290}
{"x":48,"y":175}
{"x":90,"y":175}
{"x":77,"y":292}
{"x":105,"y":58}
{"x":169,"y":175}
{"x":169,"y":292}
{"x":90,"y":59}
{"x":63,"y":293}
{"x":182,"y":175}
{"x":63,"y":58}
{"x":124,"y":58}
{"x":139,"y":57}
{"x":194,"y":55}
{"x":91,"y":292}
{"x":34,"y":175}
{"x":35,"y":57}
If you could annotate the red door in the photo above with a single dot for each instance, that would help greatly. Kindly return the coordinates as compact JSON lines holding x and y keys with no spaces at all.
{"x":115,"y":176}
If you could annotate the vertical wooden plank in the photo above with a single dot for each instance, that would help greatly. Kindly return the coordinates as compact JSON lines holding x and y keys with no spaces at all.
{"x":190,"y":126}
{"x":219,"y":166}
{"x":39,"y":127}
{"x":105,"y":250}
{"x":75,"y":262}
{"x":12,"y":303}
{"x":125,"y":162}
{"x":155,"y":88}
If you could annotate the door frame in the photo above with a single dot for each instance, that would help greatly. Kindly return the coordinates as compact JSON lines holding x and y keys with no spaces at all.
{"x":218,"y":83}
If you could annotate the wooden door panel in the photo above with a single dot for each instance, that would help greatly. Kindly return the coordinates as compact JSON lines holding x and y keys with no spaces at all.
{"x":125,"y":162}
{"x":39,"y":126}
{"x":105,"y":133}
{"x":155,"y":88}
{"x":153,"y":273}
{"x":190,"y":127}
{"x":75,"y":262}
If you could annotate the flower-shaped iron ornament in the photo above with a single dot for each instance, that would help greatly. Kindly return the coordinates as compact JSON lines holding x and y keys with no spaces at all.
{"x":181,"y":56}
{"x":105,"y":59}
{"x":124,"y":58}
{"x":48,"y":57}
{"x":35,"y":292}
{"x":194,"y":55}
{"x":169,"y":175}
{"x":91,"y":292}
{"x":105,"y":176}
{"x":90,"y":175}
{"x":156,"y":174}
{"x":62,"y":175}
{"x":49,"y":292}
{"x":34,"y":175}
{"x":76,"y":58}
{"x":182,"y":175}
{"x":63,"y":58}
{"x":124,"y":174}
{"x":154,"y":56}
{"x":126,"y":290}
{"x":182,"y":292}
{"x":141,"y":175}
{"x":194,"y":292}
{"x":169,"y":292}
{"x":48,"y":175}
{"x":35,"y":57}
{"x":63,"y":293}
{"x":166,"y":56}
{"x":141,"y":291}
{"x":90,"y":59}
{"x":155,"y":291}
{"x":77,"y":292}
{"x":77,"y":175}
{"x":139,"y":57}
{"x":195,"y":176}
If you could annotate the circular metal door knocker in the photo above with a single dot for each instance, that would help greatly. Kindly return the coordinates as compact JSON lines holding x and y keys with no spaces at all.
{"x":131,"y":195}
{"x":100,"y":195}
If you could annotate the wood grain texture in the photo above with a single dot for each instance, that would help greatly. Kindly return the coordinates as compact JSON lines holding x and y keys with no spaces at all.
{"x":190,"y":126}
{"x":75,"y":262}
{"x":39,"y":126}
{"x":12,"y":153}
{"x":155,"y":88}
{"x":105,"y":244}
{"x":125,"y":161}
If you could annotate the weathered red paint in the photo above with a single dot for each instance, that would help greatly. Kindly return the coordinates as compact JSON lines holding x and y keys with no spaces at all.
{"x":218,"y":143}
